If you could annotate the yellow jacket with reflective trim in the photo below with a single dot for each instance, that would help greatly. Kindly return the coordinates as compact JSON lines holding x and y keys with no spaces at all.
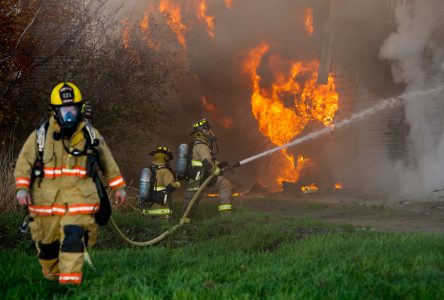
{"x":65,"y":178}
{"x":202,"y":152}
{"x":164,"y":176}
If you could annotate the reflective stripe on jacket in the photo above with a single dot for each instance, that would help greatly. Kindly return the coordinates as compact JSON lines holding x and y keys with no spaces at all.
{"x":65,"y":186}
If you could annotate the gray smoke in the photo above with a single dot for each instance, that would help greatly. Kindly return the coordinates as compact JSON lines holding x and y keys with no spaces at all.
{"x":415,"y":51}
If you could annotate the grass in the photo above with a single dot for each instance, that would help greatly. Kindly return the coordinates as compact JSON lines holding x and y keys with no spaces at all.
{"x":245,"y":256}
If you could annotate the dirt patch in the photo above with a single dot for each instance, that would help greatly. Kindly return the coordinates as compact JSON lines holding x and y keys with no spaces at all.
{"x":380,"y":213}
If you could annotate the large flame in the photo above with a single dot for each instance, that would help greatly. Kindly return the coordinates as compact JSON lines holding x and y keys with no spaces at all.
{"x":203,"y":16}
{"x":172,"y":12}
{"x":280,"y":121}
{"x":309,"y":21}
{"x":215,"y":114}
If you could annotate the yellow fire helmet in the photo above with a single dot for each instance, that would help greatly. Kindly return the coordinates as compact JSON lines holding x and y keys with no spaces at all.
{"x":65,"y":93}
{"x":200,"y":126}
{"x":163,"y":150}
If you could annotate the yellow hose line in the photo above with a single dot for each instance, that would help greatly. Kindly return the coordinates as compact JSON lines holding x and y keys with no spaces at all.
{"x":169,"y":231}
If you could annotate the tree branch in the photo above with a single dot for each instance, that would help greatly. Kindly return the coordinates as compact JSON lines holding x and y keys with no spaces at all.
{"x":22,"y":35}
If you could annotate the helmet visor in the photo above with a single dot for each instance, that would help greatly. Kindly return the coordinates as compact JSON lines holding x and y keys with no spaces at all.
{"x":69,"y":115}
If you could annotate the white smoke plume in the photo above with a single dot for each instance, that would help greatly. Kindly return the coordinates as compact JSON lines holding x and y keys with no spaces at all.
{"x":415,"y":53}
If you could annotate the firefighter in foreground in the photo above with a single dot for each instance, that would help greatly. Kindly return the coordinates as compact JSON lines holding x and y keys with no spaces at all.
{"x":157,"y":183}
{"x":54,"y":176}
{"x":202,"y":163}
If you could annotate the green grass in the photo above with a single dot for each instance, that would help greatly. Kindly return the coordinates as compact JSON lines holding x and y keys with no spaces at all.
{"x":246,"y":256}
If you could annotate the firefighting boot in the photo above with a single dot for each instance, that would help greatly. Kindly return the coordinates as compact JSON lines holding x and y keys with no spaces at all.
{"x":53,"y":276}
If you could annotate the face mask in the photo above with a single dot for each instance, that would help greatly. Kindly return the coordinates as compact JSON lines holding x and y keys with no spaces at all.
{"x":69,"y":116}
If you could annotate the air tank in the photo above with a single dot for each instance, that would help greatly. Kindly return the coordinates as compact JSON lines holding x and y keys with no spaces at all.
{"x":144,"y":185}
{"x":182,"y":160}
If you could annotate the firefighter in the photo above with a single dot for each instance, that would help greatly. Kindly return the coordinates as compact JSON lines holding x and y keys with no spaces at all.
{"x":162,"y":184}
{"x":54,"y":179}
{"x":203,"y":163}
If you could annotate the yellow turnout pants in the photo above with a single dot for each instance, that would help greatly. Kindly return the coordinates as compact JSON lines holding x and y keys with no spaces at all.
{"x":61,"y":242}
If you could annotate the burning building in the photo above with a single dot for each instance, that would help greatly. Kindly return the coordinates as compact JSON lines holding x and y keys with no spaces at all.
{"x":267,"y":72}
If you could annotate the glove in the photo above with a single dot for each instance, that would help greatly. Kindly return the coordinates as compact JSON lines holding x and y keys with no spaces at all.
{"x":120,"y":197}
{"x":236,"y":164}
{"x":223,"y":164}
{"x":175,"y":184}
{"x":23,"y":198}
{"x":172,"y":187}
{"x":215,"y":170}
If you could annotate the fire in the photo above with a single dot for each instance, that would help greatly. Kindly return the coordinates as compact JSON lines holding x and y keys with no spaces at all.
{"x":145,"y":27}
{"x":229,"y":3}
{"x":339,"y":186}
{"x":126,"y":34}
{"x":305,"y":101}
{"x":174,"y":15}
{"x":291,"y":172}
{"x":309,"y":21}
{"x":215,"y":114}
{"x":203,"y":16}
{"x":309,"y":188}
{"x":126,"y":41}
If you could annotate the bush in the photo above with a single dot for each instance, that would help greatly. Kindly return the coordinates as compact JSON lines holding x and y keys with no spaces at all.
{"x":7,"y":186}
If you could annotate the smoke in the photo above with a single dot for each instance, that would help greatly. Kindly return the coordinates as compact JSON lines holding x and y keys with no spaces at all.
{"x":415,"y":53}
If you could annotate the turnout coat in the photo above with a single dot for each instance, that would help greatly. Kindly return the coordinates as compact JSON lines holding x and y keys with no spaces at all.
{"x":65,"y":187}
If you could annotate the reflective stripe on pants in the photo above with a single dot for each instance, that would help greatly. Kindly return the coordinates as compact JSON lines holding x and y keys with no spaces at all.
{"x":157,"y":212}
{"x":225,"y":207}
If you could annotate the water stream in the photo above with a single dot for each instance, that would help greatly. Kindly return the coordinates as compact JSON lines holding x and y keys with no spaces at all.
{"x":388,"y":103}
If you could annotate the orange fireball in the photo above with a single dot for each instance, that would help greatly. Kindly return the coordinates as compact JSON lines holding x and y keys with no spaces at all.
{"x":279,"y":121}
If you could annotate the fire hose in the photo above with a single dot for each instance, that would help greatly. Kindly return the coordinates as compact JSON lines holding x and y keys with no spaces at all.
{"x":169,"y":231}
